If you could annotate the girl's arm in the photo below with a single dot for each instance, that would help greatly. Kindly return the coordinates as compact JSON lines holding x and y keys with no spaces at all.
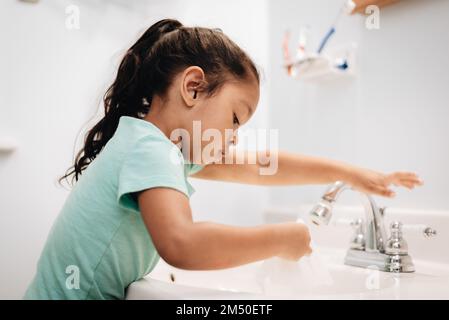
{"x":203,"y":245}
{"x":295,"y":169}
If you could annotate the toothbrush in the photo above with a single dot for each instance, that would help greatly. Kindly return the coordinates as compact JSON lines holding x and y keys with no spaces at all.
{"x":347,"y":7}
{"x":302,"y":42}
{"x":285,"y":48}
{"x":287,"y":58}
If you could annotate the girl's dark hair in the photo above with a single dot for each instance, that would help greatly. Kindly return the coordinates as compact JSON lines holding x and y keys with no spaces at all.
{"x":148,"y":67}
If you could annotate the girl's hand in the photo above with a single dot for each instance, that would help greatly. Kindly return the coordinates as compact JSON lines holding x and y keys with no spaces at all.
{"x":373,"y":182}
{"x":295,"y":240}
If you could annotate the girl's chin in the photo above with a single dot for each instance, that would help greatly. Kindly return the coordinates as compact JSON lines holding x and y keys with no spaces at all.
{"x":216,"y":161}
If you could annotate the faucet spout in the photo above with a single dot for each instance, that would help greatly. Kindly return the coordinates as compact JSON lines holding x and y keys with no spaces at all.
{"x":375,"y":234}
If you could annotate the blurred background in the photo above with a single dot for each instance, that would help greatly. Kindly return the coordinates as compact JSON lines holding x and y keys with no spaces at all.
{"x":381,"y":103}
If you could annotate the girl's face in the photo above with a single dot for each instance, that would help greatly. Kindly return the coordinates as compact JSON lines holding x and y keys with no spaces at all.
{"x":213,"y":122}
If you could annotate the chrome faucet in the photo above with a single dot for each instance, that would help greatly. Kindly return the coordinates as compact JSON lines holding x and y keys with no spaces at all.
{"x":370,"y":247}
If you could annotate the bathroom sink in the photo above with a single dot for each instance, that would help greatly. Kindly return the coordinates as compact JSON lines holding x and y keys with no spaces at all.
{"x":431,"y":281}
{"x":329,"y":279}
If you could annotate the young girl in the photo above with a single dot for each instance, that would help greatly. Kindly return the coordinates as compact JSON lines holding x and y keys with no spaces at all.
{"x":130,"y":204}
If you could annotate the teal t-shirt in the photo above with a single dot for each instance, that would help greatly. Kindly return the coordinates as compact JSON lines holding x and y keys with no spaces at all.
{"x":99,"y":244}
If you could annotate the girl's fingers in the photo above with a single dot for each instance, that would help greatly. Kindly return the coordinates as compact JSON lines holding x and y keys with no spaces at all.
{"x":408,"y":184}
{"x":384,"y":191}
{"x":412,"y":177}
{"x":403,"y":179}
{"x":407,"y":179}
{"x":380,"y":186}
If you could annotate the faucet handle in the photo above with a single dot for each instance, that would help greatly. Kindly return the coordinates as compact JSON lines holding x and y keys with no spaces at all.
{"x":426,"y":231}
{"x":358,"y":240}
{"x":396,"y":244}
{"x":429,"y":232}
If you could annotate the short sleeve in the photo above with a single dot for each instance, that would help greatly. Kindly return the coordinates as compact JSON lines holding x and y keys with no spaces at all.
{"x":193,"y":168}
{"x":150,"y":164}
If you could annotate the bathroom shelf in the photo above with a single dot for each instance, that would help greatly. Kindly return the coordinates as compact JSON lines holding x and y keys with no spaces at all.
{"x":7,"y":144}
{"x":336,"y":63}
{"x":362,"y":4}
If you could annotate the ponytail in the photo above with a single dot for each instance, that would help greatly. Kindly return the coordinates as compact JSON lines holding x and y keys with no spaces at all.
{"x":123,"y":98}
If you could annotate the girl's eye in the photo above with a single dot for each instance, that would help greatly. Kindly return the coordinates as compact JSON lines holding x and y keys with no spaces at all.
{"x":236,"y":120}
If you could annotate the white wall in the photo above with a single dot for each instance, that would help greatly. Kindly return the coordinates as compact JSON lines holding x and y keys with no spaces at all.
{"x":51,"y":83}
{"x":393,"y":116}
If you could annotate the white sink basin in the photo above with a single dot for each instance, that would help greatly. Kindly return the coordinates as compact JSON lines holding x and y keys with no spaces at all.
{"x":430,"y":281}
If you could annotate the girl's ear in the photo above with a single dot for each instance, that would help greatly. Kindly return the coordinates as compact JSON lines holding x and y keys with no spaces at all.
{"x":192,"y":83}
